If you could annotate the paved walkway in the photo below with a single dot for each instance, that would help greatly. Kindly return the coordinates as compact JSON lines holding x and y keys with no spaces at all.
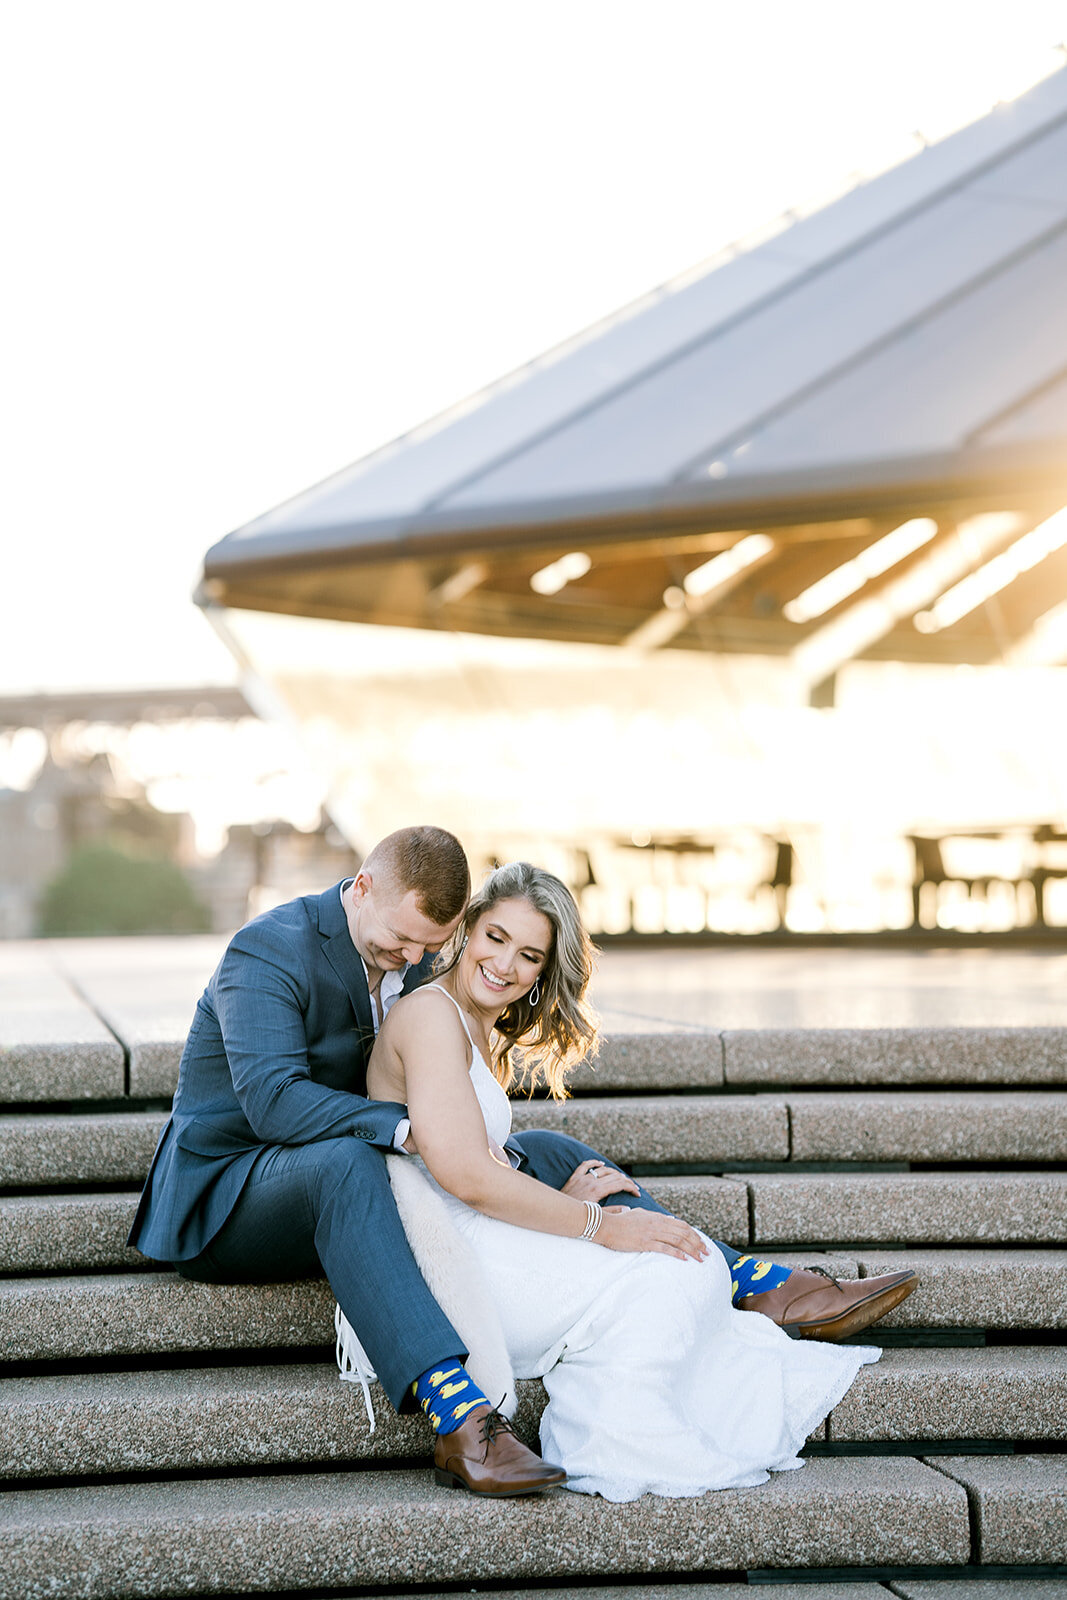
{"x":157,"y":981}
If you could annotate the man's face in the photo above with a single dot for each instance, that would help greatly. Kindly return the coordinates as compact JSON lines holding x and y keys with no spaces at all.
{"x":389,"y":930}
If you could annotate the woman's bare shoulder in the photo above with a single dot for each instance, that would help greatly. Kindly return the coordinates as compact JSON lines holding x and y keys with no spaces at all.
{"x":414,"y":1018}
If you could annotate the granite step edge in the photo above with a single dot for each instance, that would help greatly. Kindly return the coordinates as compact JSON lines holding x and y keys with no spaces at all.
{"x":214,"y":1418}
{"x":38,"y":1149}
{"x":769,"y":1212}
{"x":102,"y":1316}
{"x":361,"y":1527}
{"x":667,"y":1059}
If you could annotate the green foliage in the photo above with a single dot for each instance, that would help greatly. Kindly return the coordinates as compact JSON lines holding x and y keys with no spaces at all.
{"x":103,"y":889}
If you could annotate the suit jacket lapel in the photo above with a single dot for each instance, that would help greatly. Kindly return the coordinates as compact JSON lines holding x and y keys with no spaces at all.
{"x":345,"y":960}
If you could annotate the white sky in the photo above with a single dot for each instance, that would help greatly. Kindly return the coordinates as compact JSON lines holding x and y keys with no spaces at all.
{"x":250,"y":240}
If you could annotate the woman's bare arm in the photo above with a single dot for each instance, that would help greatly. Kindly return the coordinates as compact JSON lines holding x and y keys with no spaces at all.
{"x":386,"y":1079}
{"x":449,"y":1130}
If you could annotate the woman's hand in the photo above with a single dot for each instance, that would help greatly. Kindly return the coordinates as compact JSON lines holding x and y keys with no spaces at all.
{"x":595,"y":1180}
{"x":628,"y":1228}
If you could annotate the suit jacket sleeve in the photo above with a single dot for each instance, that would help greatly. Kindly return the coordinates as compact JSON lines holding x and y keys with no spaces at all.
{"x":261,"y":999}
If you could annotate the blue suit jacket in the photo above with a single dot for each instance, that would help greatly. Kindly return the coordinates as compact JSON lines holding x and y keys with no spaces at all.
{"x":277,"y":1054}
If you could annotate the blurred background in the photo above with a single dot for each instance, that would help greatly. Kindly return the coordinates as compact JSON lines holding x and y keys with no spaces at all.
{"x":633,"y":437}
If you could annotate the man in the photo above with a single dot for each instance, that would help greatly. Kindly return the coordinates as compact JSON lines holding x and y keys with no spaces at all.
{"x":271,"y":1165}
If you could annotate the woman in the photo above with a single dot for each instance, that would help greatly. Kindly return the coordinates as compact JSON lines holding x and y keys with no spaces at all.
{"x":655,"y":1383}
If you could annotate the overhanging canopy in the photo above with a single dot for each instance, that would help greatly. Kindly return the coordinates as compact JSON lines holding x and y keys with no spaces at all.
{"x":900,"y":354}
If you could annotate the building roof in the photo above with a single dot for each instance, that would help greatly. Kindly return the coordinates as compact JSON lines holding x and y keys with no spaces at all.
{"x":900,"y":353}
{"x":123,"y":707}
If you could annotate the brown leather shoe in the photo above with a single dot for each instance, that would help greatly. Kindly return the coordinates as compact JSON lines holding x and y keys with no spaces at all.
{"x":484,"y":1456}
{"x":811,"y":1304}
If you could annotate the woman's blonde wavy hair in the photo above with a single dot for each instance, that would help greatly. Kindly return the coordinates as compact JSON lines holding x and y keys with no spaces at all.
{"x":544,"y":1042}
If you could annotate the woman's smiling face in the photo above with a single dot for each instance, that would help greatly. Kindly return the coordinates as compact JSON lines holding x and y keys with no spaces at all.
{"x":506,"y":951}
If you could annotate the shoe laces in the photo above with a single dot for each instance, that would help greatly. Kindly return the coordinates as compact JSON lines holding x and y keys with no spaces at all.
{"x":822,"y":1272}
{"x":495,"y":1422}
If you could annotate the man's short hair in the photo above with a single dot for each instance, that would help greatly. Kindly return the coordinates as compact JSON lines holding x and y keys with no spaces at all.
{"x":428,"y":862}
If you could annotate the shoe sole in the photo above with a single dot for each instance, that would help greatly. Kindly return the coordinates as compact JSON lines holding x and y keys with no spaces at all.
{"x":449,"y":1480}
{"x":857,"y":1317}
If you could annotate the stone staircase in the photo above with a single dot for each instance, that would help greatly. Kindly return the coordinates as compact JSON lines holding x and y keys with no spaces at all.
{"x":162,"y":1437}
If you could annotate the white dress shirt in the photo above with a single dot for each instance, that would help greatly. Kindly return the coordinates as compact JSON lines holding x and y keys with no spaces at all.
{"x":389,"y":991}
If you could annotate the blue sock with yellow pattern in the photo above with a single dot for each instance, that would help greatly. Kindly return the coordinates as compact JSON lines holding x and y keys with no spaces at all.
{"x":447,"y":1394}
{"x":752,"y":1276}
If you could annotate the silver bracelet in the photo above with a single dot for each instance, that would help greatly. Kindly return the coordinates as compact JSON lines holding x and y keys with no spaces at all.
{"x":593,"y":1216}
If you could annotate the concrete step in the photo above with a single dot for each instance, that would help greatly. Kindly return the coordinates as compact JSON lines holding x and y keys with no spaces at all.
{"x":158,"y":1313}
{"x":52,"y":1046}
{"x":909,"y":1208}
{"x":84,"y":1056}
{"x":1003,"y":1392}
{"x":847,"y":1017}
{"x":41,"y":1149}
{"x":146,"y":990}
{"x":950,"y":1125}
{"x":45,"y":1067}
{"x":382,"y":1528}
{"x":673,"y":1019}
{"x":712,"y":1591}
{"x":1015,"y":1588}
{"x":118,"y":1146}
{"x":212,"y":1418}
{"x":90,"y":1147}
{"x":966,"y":1288}
{"x":806,"y":1054}
{"x":991,"y":1588}
{"x":1006,"y":1588}
{"x":1019,"y":1505}
{"x":230,"y":1418}
{"x":925,"y":1056}
{"x":861,"y":1125}
{"x":57,"y":1233}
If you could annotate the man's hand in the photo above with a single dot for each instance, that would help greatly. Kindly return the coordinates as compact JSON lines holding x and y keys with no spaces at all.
{"x":410,"y":1146}
{"x":595,"y":1180}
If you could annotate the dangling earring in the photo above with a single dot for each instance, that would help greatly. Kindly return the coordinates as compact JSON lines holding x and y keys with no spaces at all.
{"x":534,"y":995}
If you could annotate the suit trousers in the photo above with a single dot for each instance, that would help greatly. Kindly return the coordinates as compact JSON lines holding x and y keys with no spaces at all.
{"x":328,"y":1207}
{"x":552,"y":1157}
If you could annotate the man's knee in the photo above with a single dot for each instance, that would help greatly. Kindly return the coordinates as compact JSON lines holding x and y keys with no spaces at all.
{"x":309,"y":1176}
{"x":348,"y":1160}
{"x":553,"y":1156}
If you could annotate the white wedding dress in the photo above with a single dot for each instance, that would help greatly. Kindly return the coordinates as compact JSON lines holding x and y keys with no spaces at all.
{"x":656,"y":1385}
